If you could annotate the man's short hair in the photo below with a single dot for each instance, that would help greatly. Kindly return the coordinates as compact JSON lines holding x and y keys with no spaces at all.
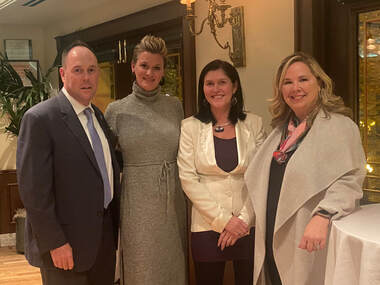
{"x":68,"y":48}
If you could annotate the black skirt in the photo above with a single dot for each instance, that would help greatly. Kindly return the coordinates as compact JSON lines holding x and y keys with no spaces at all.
{"x":204,"y":247}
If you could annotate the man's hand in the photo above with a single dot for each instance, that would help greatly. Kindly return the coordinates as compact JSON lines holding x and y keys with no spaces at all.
{"x":63,"y":257}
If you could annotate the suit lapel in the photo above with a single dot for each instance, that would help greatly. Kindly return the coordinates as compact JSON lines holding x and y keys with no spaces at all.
{"x":206,"y":147}
{"x":257,"y":180}
{"x":72,"y":122}
{"x":242,"y":139}
{"x":307,"y":173}
{"x":295,"y":192}
{"x":257,"y":176}
{"x":106,"y":131}
{"x":206,"y":141}
{"x":102,"y":123}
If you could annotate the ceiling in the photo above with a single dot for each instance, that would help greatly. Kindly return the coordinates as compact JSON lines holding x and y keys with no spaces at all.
{"x":50,"y":11}
{"x":45,"y":12}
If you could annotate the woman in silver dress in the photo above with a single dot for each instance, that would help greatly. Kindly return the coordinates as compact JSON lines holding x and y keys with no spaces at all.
{"x":153,"y":207}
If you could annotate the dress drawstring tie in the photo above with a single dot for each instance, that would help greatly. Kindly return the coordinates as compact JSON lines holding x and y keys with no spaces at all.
{"x":163,"y":179}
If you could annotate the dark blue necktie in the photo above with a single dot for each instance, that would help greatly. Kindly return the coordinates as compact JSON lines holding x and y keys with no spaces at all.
{"x":99,"y":154}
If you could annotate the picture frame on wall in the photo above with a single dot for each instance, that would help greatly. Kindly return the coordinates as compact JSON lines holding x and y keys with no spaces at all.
{"x":18,"y":49}
{"x":21,"y":65}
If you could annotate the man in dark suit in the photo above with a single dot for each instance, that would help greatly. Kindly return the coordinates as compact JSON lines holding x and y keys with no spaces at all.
{"x":69,"y":180}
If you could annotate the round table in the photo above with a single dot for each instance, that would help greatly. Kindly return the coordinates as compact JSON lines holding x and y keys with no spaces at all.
{"x":353,"y":256}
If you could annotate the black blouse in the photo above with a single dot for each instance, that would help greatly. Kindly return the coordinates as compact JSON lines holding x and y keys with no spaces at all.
{"x":226,"y":154}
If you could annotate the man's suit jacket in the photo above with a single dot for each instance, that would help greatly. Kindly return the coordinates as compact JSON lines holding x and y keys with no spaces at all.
{"x":61,"y":185}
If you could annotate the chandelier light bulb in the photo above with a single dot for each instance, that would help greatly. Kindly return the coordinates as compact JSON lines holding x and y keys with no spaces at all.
{"x":371,"y":41}
{"x":371,"y":47}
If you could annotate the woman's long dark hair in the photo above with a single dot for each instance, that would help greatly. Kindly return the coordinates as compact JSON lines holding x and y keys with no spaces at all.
{"x":237,"y":109}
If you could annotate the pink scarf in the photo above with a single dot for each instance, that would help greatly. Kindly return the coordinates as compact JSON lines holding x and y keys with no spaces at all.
{"x":294,"y":133}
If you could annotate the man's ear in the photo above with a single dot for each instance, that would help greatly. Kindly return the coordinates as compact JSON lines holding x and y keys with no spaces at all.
{"x":62,"y":73}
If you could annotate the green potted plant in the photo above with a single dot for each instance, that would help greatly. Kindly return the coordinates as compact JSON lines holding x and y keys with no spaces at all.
{"x":15,"y":100}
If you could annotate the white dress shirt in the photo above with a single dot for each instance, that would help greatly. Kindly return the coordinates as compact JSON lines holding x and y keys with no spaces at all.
{"x":79,"y":110}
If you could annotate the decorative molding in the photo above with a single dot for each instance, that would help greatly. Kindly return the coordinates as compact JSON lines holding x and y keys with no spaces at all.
{"x":343,"y":2}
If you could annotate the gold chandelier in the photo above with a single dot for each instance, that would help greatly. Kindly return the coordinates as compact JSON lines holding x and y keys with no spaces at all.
{"x":217,"y":18}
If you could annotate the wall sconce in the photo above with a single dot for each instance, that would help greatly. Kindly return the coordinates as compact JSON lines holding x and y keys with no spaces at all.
{"x":217,"y":18}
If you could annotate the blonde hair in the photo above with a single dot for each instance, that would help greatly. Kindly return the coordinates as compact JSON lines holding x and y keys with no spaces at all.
{"x":150,"y":44}
{"x":327,"y":100}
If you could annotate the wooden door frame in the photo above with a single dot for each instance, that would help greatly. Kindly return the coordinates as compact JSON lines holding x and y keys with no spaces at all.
{"x":327,"y":29}
{"x":155,"y":16}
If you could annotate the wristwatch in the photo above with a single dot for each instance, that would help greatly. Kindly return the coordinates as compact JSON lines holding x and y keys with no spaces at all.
{"x":324,"y":213}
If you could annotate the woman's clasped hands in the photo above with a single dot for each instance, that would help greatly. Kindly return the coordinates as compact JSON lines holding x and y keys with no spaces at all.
{"x":235,"y":229}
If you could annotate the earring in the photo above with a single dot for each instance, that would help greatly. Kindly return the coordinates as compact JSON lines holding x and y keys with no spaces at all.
{"x":204,"y":102}
{"x":234,"y":100}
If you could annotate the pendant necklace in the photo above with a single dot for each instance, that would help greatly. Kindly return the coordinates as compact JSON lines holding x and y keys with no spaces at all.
{"x":220,"y":128}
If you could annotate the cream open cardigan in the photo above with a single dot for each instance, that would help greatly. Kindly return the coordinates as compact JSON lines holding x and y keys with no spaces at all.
{"x":326,"y":172}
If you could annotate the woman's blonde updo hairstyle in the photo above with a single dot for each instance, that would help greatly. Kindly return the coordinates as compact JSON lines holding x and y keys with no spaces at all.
{"x":150,"y":44}
{"x":327,"y":101}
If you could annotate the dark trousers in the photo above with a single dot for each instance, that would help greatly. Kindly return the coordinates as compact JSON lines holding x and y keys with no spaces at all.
{"x":101,"y":273}
{"x":212,"y":273}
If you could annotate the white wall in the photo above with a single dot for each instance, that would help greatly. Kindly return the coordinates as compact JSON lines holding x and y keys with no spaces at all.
{"x":30,"y":32}
{"x":36,"y":34}
{"x":269,"y":37}
{"x":44,"y":48}
{"x":268,"y":31}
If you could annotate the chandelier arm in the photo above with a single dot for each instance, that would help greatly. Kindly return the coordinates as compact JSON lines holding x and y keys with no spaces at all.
{"x":200,"y":31}
{"x":225,"y":46}
{"x":223,"y":20}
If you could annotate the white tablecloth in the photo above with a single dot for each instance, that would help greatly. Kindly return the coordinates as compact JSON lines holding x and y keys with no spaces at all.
{"x":353,"y":256}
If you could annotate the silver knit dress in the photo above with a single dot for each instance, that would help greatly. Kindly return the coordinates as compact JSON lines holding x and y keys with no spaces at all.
{"x":153,"y":208}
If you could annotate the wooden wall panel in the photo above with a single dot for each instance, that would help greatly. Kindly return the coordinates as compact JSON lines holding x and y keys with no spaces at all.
{"x":157,"y":20}
{"x":327,"y":29}
{"x":9,"y":200}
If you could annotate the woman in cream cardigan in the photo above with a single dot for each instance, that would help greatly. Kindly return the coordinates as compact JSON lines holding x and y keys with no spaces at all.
{"x":309,"y":171}
{"x":216,"y":146}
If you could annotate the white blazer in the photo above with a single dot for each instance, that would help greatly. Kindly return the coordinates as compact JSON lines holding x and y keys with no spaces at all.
{"x":216,"y":195}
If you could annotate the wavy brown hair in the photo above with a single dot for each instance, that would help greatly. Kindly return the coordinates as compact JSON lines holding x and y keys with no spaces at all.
{"x":327,"y":100}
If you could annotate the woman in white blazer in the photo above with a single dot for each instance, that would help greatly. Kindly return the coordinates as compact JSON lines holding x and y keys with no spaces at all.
{"x":308,"y":172}
{"x":216,"y":146}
